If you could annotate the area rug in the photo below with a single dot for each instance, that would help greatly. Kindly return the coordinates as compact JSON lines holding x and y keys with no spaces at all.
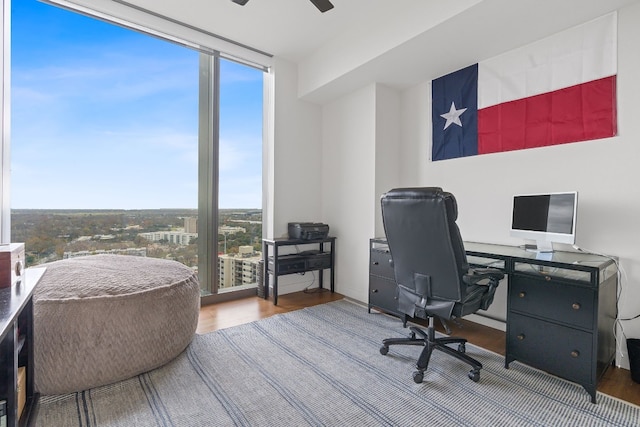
{"x":321,"y":366}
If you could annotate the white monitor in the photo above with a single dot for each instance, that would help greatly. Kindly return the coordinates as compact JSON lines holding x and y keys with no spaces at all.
{"x":545,"y":218}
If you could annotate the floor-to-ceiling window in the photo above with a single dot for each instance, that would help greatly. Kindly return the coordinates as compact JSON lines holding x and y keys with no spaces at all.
{"x":109,"y":130}
{"x":240,"y":175}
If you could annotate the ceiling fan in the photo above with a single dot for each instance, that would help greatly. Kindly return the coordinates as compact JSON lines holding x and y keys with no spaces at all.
{"x":322,"y":5}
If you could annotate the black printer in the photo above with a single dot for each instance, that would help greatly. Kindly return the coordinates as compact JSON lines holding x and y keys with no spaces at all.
{"x":308,"y":230}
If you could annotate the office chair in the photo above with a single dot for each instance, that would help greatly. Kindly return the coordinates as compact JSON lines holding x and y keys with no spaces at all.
{"x":431,"y":270}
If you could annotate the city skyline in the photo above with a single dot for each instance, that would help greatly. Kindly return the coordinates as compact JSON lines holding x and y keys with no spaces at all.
{"x":106,"y":118}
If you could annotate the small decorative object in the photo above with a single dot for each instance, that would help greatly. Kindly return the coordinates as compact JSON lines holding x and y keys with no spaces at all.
{"x":11,"y":264}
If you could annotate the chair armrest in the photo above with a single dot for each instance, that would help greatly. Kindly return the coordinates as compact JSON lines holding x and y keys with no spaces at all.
{"x":478,"y":274}
{"x":490,"y":277}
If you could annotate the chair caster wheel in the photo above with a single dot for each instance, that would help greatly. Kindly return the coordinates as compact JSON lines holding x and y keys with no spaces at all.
{"x":418,"y":377}
{"x":462,"y":348}
{"x":474,"y":375}
{"x":412,"y":335}
{"x":384,"y":350}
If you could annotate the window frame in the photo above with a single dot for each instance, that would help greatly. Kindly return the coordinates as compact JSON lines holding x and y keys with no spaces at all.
{"x":208,"y":44}
{"x":5,"y":120}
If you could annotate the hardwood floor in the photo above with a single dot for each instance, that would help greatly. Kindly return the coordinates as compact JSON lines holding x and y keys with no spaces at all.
{"x":615,"y":382}
{"x":238,"y":312}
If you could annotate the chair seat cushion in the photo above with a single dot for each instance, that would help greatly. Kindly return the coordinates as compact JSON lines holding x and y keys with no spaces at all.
{"x":105,"y":318}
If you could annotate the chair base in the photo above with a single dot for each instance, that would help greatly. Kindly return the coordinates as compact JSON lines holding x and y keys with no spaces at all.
{"x":430,"y":342}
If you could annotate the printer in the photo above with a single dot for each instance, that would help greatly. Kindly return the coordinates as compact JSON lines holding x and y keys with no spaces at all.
{"x":308,"y":230}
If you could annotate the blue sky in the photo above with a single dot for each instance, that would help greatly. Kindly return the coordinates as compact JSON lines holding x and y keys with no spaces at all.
{"x":106,"y":118}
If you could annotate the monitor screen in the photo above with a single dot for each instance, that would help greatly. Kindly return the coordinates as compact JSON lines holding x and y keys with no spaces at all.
{"x":545,"y":218}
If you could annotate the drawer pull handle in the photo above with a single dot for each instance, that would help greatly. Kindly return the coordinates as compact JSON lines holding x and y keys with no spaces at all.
{"x":374,"y":291}
{"x":520,"y":337}
{"x":375,"y":262}
{"x":575,"y":353}
{"x":576,"y":306}
{"x":522,"y":294}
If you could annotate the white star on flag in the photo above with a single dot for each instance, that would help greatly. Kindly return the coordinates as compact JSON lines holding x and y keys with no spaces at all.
{"x":453,"y":116}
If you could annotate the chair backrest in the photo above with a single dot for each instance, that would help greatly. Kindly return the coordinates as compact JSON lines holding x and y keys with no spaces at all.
{"x":424,"y":240}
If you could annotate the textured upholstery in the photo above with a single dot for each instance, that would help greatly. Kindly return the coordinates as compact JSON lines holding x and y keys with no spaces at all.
{"x":431,"y":269}
{"x":105,"y":318}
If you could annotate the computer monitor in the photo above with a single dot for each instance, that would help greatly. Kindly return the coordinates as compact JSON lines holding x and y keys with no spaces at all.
{"x":545,"y":218}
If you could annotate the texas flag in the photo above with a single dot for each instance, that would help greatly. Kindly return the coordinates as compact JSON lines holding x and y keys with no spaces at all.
{"x":558,"y":90}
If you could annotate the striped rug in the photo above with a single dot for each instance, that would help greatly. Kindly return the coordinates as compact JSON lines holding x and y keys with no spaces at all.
{"x":321,"y":366}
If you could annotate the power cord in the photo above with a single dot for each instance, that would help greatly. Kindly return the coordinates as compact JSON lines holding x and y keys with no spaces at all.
{"x":621,"y":274}
{"x":306,"y":290}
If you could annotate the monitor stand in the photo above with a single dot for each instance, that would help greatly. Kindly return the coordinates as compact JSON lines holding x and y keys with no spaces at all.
{"x":541,"y":246}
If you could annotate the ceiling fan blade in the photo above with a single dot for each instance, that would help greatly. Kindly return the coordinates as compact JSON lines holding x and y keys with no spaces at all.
{"x":322,"y":5}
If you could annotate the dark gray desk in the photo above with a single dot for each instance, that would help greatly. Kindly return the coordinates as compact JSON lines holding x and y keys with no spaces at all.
{"x":561,"y":310}
{"x":561,"y":307}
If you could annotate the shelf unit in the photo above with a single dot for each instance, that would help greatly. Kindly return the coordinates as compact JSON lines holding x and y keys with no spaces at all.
{"x":16,"y":347}
{"x":278,"y":264}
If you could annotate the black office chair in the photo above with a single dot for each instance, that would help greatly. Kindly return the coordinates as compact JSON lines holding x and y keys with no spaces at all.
{"x":431,"y":270}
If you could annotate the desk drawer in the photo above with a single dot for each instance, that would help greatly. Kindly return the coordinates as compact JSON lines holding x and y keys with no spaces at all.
{"x":382,"y":294}
{"x":553,"y":348}
{"x":573,"y":305}
{"x":381,"y":264}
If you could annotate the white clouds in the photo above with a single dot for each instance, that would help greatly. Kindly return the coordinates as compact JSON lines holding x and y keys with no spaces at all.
{"x":111,"y":78}
{"x":109,"y":119}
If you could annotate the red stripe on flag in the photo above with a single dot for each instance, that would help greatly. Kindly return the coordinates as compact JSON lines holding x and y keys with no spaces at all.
{"x":578,"y":113}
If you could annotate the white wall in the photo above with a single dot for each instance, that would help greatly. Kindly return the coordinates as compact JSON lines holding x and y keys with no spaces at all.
{"x":388,"y":143}
{"x":297,"y":158}
{"x":293,"y":165}
{"x":361,"y":141}
{"x":348,"y":187}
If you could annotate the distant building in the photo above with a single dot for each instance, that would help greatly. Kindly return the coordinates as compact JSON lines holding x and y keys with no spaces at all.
{"x":238,"y":270}
{"x":191,"y":225}
{"x":104,"y":237}
{"x":226,"y":229}
{"x":176,"y":237}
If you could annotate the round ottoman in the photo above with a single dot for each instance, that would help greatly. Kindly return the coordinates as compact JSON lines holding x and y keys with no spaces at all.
{"x":105,"y":318}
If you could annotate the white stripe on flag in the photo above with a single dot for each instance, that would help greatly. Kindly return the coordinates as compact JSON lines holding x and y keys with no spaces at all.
{"x":580,"y":54}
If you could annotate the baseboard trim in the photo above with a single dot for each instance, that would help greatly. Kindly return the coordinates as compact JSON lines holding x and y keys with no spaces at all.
{"x":487,"y":321}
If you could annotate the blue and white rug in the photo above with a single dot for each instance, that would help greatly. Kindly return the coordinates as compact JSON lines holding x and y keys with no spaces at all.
{"x":321,"y":366}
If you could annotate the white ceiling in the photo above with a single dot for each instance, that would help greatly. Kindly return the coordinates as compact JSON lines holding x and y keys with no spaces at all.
{"x":287,"y":28}
{"x":395,"y":42}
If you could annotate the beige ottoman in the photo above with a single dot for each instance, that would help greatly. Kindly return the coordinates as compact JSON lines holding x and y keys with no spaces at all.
{"x":105,"y":318}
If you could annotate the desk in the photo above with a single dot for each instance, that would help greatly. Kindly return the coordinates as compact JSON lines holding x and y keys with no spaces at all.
{"x":315,"y":260}
{"x":561,"y":307}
